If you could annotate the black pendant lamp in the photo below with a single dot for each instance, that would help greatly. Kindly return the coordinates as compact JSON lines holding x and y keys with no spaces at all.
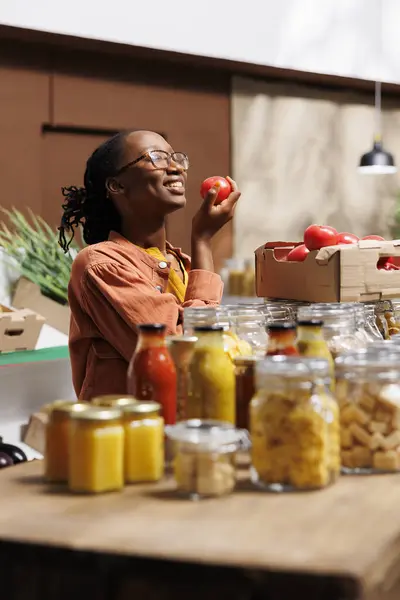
{"x":377,"y":161}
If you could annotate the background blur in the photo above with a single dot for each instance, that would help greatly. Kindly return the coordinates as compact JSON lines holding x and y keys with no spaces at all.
{"x":278,"y":94}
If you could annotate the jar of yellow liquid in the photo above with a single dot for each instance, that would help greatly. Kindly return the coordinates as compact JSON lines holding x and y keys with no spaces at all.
{"x":113,"y":401}
{"x":144,"y":442}
{"x":57,"y":439}
{"x":96,"y":451}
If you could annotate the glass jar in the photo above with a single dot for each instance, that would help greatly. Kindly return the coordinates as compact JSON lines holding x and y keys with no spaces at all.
{"x":56,"y":453}
{"x":212,"y":378}
{"x":198,"y":316}
{"x":249,"y":324}
{"x":282,"y":339}
{"x":236,"y":277}
{"x":249,"y":278}
{"x":96,"y":441}
{"x":144,"y":442}
{"x":204,"y":463}
{"x":290,"y":423}
{"x":245,"y":388}
{"x":113,"y":401}
{"x":396,"y":314}
{"x":311,"y":343}
{"x":339,"y":326}
{"x":368,"y":392}
{"x":384,"y":317}
{"x":181,"y":349}
{"x":371,"y":326}
{"x":151,"y":372}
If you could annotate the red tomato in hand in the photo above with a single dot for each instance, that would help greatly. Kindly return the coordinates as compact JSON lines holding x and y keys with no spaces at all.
{"x":298,"y":254}
{"x":374,"y":237}
{"x":319,"y":236}
{"x":347,"y":238}
{"x":223,"y":185}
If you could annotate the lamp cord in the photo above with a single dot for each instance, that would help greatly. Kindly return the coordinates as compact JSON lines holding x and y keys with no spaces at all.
{"x":378,"y":83}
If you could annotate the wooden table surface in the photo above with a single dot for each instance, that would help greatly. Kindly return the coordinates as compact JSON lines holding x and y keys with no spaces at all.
{"x":350,"y":530}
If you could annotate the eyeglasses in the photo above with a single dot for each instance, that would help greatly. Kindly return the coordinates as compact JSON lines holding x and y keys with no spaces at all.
{"x":160,"y":159}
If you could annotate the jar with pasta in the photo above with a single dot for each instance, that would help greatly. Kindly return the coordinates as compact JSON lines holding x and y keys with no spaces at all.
{"x":205,"y":453}
{"x":291,"y":427}
{"x":368,"y":392}
{"x":212,"y":378}
{"x":339,"y":326}
{"x":371,"y":326}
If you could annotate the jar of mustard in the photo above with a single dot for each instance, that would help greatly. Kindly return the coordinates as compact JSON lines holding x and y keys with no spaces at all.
{"x":368,"y":392}
{"x":205,"y":451}
{"x":113,"y":401}
{"x":144,"y":442}
{"x":311,"y":342}
{"x":96,"y":461}
{"x":56,"y":455}
{"x":212,"y":378}
{"x":290,"y":427}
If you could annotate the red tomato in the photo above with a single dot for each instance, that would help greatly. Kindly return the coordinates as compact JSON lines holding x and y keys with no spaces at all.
{"x":223,"y":185}
{"x":319,"y":236}
{"x":298,"y":254}
{"x":374,"y":237}
{"x":386,"y":261}
{"x":347,"y":238}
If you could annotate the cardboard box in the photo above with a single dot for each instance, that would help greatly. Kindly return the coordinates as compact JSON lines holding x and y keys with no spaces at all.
{"x":28,"y":295}
{"x":343,"y":273}
{"x":19,"y":329}
{"x":34,"y":434}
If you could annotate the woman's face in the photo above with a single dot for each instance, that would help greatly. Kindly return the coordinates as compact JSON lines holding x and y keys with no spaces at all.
{"x":151,"y":189}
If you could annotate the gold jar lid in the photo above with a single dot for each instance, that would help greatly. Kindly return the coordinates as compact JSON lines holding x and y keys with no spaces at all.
{"x":113,"y":401}
{"x":48,"y":408}
{"x":141,"y":410}
{"x":98,"y":413}
{"x":69,"y":408}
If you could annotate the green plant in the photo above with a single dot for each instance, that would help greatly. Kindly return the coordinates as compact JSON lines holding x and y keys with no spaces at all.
{"x":33,"y":245}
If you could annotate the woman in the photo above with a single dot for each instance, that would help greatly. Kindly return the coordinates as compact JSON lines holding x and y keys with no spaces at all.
{"x":129,"y":274}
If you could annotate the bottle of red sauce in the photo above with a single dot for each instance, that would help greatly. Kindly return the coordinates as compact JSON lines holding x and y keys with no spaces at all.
{"x":282,"y":339}
{"x":151,"y":372}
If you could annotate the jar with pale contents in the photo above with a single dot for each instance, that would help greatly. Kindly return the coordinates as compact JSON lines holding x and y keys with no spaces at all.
{"x":56,"y":455}
{"x":96,"y":461}
{"x":291,"y":427}
{"x":144,"y":442}
{"x":368,"y":392}
{"x":205,"y":452}
{"x":212,"y":378}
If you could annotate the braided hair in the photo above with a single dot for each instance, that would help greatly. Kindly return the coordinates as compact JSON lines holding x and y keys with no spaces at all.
{"x":90,"y":205}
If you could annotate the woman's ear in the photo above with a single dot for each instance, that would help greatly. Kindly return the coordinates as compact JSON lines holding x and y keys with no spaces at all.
{"x":113,"y":186}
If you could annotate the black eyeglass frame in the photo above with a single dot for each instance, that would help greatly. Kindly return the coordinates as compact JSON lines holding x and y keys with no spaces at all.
{"x":170,"y":156}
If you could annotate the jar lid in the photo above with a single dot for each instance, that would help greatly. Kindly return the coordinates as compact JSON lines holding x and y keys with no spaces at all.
{"x":243,"y":361}
{"x":208,"y":328}
{"x":369,"y":361}
{"x":142,"y":408}
{"x":97,"y":413}
{"x":70,"y":408}
{"x":205,"y":434}
{"x":152,"y":327}
{"x":310,"y":323}
{"x":48,"y":408}
{"x":113,"y":400}
{"x":284,"y":326}
{"x":181,"y":339}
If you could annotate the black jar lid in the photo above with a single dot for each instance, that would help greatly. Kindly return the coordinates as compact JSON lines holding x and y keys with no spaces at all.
{"x":310,"y":323}
{"x":284,"y":326}
{"x":152,"y":327}
{"x":208,"y":328}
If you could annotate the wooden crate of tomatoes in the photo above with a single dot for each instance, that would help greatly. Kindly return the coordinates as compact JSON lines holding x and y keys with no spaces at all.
{"x":329,"y":267}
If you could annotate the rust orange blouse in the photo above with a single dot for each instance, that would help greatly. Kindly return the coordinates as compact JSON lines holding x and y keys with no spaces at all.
{"x":114,"y":286}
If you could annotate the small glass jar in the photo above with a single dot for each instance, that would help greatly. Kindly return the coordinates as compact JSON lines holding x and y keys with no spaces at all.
{"x":144,"y":442}
{"x":245,"y":388}
{"x":96,"y":441}
{"x":311,"y":343}
{"x":198,"y":316}
{"x":368,"y":392}
{"x":204,"y":463}
{"x":181,"y":349}
{"x":339,"y":326}
{"x":113,"y":401}
{"x":249,"y":324}
{"x":290,"y":427}
{"x":212,"y":378}
{"x":282,"y":339}
{"x":56,"y":455}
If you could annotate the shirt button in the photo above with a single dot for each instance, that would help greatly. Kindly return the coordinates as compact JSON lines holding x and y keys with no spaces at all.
{"x":159,"y":288}
{"x":162,"y":264}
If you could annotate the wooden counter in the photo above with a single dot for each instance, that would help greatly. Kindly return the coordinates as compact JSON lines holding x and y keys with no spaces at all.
{"x":348,"y":535}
